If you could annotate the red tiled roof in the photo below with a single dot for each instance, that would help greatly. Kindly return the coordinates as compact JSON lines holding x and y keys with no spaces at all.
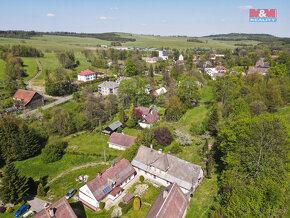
{"x":24,"y":95}
{"x":61,"y":209}
{"x":219,"y":68}
{"x":128,"y":197}
{"x":179,"y":62}
{"x":172,"y":204}
{"x":144,"y":110}
{"x":86,"y":72}
{"x":274,"y":56}
{"x":152,"y":117}
{"x":121,"y":139}
{"x":117,"y":173}
{"x":116,"y":191}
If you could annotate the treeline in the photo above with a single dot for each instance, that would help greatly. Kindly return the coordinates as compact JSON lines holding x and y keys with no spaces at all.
{"x":194,"y":40}
{"x":19,"y":34}
{"x":19,"y":51}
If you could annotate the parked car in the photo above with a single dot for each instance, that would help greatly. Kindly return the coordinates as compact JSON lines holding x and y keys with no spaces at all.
{"x":29,"y":213}
{"x":21,"y":210}
{"x":70,"y":193}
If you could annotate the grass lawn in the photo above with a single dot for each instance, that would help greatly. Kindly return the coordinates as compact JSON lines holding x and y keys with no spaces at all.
{"x":192,"y":153}
{"x":63,"y":184}
{"x":91,"y":143}
{"x":203,"y":198}
{"x":69,"y":106}
{"x":30,"y":66}
{"x":149,"y":197}
{"x":132,"y":132}
{"x":284,"y":113}
{"x":2,"y":67}
{"x":195,"y":115}
{"x":207,"y":94}
{"x":35,"y":168}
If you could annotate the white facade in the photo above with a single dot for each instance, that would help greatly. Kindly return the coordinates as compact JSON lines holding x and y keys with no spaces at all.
{"x":145,"y":125}
{"x":180,"y":57}
{"x":118,"y":147}
{"x":86,"y":78}
{"x":163,"y":55}
{"x":86,"y":195}
{"x":107,"y":88}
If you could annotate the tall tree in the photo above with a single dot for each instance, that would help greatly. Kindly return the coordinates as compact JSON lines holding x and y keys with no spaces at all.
{"x":14,"y":186}
{"x":130,"y":68}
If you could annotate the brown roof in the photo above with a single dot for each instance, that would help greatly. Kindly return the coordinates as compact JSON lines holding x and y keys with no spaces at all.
{"x":25,"y":95}
{"x":116,"y":191}
{"x":128,"y":197}
{"x":150,"y":115}
{"x":262,"y":64}
{"x":121,"y":139}
{"x":170,"y":203}
{"x":61,"y":209}
{"x":115,"y":174}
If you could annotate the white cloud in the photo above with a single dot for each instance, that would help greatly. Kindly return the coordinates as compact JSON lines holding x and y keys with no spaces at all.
{"x":245,"y":7}
{"x":50,"y":15}
{"x":105,"y":18}
{"x":114,"y":9}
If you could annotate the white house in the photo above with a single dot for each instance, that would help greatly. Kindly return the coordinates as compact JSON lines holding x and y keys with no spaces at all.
{"x":159,"y":92}
{"x":108,"y":87}
{"x":120,"y":141}
{"x":180,"y":58}
{"x":165,"y":169}
{"x":108,"y":184}
{"x":86,"y":75}
{"x":213,"y":73}
{"x":147,"y":116}
{"x":163,"y":55}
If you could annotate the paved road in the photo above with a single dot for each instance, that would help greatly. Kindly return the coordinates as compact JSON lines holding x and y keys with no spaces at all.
{"x":36,"y":111}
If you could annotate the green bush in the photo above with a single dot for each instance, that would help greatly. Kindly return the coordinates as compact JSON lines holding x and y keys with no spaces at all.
{"x":126,"y":207}
{"x":175,"y":149}
{"x":101,"y":205}
{"x":137,"y":203}
{"x":141,"y":178}
{"x":53,"y":152}
{"x":40,"y":190}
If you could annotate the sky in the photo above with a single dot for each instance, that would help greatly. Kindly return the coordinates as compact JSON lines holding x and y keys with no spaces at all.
{"x":159,"y":17}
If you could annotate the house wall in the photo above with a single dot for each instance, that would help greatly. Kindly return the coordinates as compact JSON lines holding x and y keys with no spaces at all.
{"x":87,"y":196}
{"x":145,"y":125}
{"x":114,"y":197}
{"x":36,"y":101}
{"x":151,"y":177}
{"x":118,"y":147}
{"x":86,"y":78}
{"x":106,"y":91}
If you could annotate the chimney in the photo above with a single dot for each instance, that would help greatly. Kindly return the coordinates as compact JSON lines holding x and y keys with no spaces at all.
{"x":160,"y":151}
{"x":123,"y":132}
{"x":165,"y":193}
{"x":51,"y":212}
{"x":151,"y":146}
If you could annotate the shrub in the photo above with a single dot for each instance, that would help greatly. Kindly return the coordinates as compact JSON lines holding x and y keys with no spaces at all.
{"x":183,"y":138}
{"x":53,"y":152}
{"x":141,"y":178}
{"x":163,"y":136}
{"x":8,"y":210}
{"x":130,"y":153}
{"x":21,"y":203}
{"x":126,"y":207}
{"x":101,"y":205}
{"x":137,"y":203}
{"x":40,"y":190}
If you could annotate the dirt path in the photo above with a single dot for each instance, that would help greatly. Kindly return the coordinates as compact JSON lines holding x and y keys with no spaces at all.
{"x":76,"y":168}
{"x":29,"y":83}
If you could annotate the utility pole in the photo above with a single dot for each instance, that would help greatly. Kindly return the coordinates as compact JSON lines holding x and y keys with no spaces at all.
{"x":105,"y":154}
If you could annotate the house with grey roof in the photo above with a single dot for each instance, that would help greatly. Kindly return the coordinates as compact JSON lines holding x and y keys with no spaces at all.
{"x":165,"y":169}
{"x":112,"y":128}
{"x":108,"y":87}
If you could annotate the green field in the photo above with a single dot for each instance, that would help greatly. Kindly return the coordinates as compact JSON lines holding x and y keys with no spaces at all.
{"x":30,"y":66}
{"x":56,"y":43}
{"x":35,"y":168}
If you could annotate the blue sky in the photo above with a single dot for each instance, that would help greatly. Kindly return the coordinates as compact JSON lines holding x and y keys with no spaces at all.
{"x":164,"y":17}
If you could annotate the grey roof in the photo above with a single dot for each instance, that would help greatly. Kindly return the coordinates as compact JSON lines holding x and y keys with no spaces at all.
{"x":109,"y":85}
{"x":176,"y":170}
{"x":115,"y":125}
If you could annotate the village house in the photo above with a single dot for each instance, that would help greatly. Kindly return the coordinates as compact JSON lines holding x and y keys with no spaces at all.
{"x":221,"y":69}
{"x":121,"y":141}
{"x":27,"y":99}
{"x":170,"y":203}
{"x":151,"y":60}
{"x":87,"y":75}
{"x":261,"y":67}
{"x":108,"y":87}
{"x":58,"y":209}
{"x":107,"y":185}
{"x":159,"y":92}
{"x":213,"y":73}
{"x":165,"y":169}
{"x":163,"y":55}
{"x":147,"y":116}
{"x":112,"y":128}
{"x":180,"y":58}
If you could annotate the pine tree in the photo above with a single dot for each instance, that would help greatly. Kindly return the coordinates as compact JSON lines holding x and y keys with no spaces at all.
{"x":14,"y":185}
{"x":205,"y":146}
{"x":40,"y":190}
{"x":151,"y":72}
{"x":121,"y":115}
{"x":132,"y":121}
{"x":213,"y":121}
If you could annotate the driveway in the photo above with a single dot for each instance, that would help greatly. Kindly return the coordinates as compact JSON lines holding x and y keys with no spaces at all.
{"x":36,"y":204}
